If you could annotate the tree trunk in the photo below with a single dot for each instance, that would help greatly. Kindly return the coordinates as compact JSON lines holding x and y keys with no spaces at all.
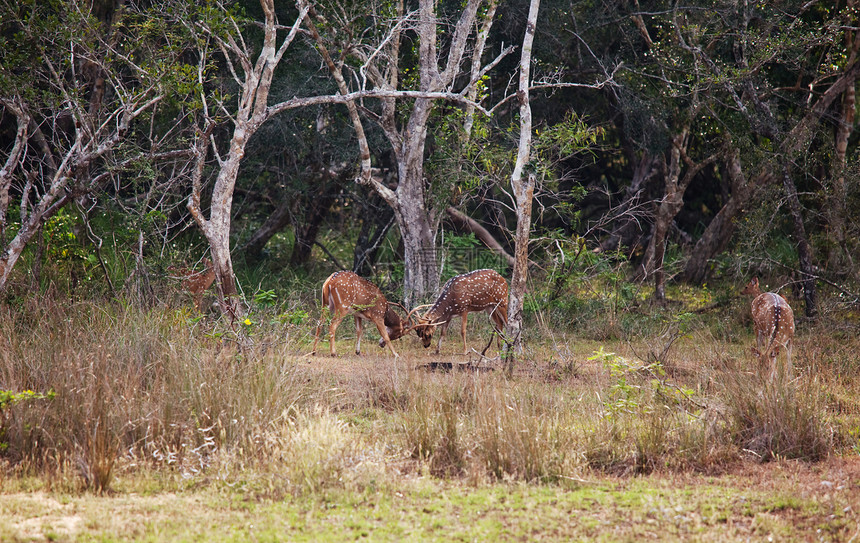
{"x":519,"y":279}
{"x":306,"y":234}
{"x":23,"y":121}
{"x":251,"y":113}
{"x":719,"y":231}
{"x":276,"y":222}
{"x":217,"y":229}
{"x":417,"y":229}
{"x":837,"y":209}
{"x":523,"y":190}
{"x":844,"y":128}
{"x":804,"y":254}
{"x":415,"y":216}
{"x":670,"y":205}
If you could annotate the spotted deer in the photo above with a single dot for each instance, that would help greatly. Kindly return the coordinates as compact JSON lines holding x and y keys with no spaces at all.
{"x":774,"y":326}
{"x":345,"y":292}
{"x":195,"y":282}
{"x":479,"y":290}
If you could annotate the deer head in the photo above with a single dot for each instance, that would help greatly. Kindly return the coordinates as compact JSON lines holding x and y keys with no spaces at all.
{"x":422,"y":326}
{"x":394,"y":325}
{"x":479,"y":290}
{"x":752,"y":288}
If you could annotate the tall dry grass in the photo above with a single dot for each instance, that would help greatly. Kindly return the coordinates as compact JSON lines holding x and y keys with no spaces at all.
{"x":779,"y":418}
{"x":142,"y":384}
{"x":160,"y":391}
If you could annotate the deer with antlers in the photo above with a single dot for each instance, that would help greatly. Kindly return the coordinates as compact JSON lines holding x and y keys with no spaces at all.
{"x":345,"y":292}
{"x":773,"y":321}
{"x":195,"y":282}
{"x":479,"y":290}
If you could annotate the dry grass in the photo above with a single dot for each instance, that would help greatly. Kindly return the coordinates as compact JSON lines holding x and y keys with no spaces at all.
{"x":156,"y":391}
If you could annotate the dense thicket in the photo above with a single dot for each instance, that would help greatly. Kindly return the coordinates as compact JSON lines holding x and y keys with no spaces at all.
{"x":692,"y":139}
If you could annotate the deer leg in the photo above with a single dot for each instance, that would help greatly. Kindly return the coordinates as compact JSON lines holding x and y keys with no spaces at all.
{"x":772,"y":354}
{"x":463,"y":332}
{"x":759,"y":351}
{"x":317,"y":337}
{"x":442,"y":330}
{"x":335,"y":322}
{"x":320,"y":326}
{"x":358,"y":330}
{"x":385,"y":337}
{"x":500,"y":318}
{"x":759,"y":339}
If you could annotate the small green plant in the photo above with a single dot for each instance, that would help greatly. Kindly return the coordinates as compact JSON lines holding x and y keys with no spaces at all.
{"x":297,"y":316}
{"x":265,"y":298}
{"x":8,"y":398}
{"x":624,"y":397}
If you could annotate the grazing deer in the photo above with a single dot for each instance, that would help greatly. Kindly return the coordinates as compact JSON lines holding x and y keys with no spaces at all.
{"x":195,"y":282}
{"x":344,"y":292}
{"x":479,"y":290}
{"x":774,"y":325}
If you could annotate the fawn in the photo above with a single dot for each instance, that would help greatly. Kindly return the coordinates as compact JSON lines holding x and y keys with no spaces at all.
{"x":195,"y":282}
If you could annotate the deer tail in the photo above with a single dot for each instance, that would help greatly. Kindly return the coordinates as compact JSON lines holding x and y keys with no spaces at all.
{"x":325,"y":294}
{"x":777,"y":314}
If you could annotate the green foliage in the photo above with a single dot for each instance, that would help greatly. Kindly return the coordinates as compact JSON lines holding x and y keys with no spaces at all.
{"x":561,"y":141}
{"x":464,"y":253}
{"x":295,"y":317}
{"x":625,"y":396}
{"x":265,"y":297}
{"x":61,"y":242}
{"x":9,"y":397}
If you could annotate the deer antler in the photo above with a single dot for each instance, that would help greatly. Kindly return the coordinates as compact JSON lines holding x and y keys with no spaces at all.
{"x":409,"y":316}
{"x":400,"y":306}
